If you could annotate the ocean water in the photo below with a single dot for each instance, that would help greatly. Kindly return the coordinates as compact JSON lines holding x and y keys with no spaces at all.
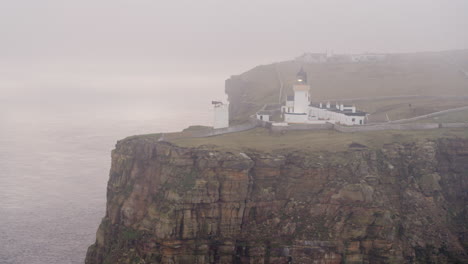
{"x":55,"y":158}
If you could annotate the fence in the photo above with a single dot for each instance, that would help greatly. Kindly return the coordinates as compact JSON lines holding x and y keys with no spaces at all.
{"x":429,"y":115}
{"x":251,"y":124}
{"x":365,"y":128}
{"x":301,"y":127}
{"x":454,"y":125}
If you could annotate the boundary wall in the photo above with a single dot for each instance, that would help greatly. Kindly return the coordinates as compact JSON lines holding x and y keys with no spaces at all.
{"x":300,"y":127}
{"x":454,"y":125}
{"x":379,"y":127}
{"x":253,"y":123}
{"x":429,"y":115}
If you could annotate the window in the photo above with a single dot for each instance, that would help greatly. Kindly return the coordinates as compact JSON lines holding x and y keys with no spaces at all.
{"x":354,"y":119}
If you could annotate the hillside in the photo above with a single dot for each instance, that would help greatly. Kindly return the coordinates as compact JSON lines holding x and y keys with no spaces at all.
{"x":431,"y":74}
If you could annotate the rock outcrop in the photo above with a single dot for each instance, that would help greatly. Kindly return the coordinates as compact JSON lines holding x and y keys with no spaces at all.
{"x":399,"y":204}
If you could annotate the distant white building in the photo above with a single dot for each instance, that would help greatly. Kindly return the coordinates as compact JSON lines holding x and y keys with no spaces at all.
{"x":339,"y":113}
{"x":264,"y":116}
{"x":221,"y":114}
{"x":366,"y":57}
{"x":298,"y":109}
{"x":313,"y":57}
{"x":330,"y":57}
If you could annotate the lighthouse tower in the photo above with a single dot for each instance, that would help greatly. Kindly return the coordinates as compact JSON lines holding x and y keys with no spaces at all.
{"x":301,"y":93}
{"x":221,"y":115}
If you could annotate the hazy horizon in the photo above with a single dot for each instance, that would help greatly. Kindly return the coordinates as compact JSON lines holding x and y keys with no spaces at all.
{"x":222,"y":38}
{"x":54,"y":47}
{"x":76,"y":76}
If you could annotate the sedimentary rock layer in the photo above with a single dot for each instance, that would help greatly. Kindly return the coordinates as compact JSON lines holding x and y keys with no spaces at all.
{"x":399,"y":204}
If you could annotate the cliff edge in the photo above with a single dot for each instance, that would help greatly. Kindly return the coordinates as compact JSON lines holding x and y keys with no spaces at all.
{"x":402,"y":203}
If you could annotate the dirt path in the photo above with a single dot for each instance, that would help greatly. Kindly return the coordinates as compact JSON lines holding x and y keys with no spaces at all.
{"x":429,"y":115}
{"x":280,"y":80}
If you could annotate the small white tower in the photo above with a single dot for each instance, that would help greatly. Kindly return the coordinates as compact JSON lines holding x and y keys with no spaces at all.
{"x":221,"y":115}
{"x":301,"y":93}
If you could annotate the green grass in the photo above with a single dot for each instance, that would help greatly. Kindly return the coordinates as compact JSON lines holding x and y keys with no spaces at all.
{"x":455,"y":117}
{"x":406,"y":108}
{"x":130,"y":234}
{"x":327,"y":140}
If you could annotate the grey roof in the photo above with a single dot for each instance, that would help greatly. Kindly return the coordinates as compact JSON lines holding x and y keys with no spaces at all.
{"x":290,"y":98}
{"x":355,"y":114}
{"x":346,"y":111}
{"x":263,"y":113}
{"x":295,"y":113}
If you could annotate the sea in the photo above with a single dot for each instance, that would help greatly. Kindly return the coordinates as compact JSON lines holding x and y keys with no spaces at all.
{"x":55,"y":146}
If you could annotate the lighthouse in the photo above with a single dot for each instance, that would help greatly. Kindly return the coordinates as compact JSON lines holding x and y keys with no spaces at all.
{"x":301,"y":93}
{"x":296,"y":108}
{"x":221,"y":114}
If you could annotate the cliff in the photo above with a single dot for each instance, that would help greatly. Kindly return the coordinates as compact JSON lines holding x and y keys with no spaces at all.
{"x":402,"y":203}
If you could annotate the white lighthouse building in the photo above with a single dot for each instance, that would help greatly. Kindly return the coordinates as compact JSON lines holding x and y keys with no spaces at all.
{"x":296,"y":107}
{"x":301,"y":93}
{"x":221,"y":114}
{"x":299,"y":110}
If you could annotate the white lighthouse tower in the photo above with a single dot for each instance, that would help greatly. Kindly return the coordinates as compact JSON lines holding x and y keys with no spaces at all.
{"x":301,"y":93}
{"x":221,"y":115}
{"x":298,"y":113}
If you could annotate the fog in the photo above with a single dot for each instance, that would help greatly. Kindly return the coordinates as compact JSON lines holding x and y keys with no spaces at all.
{"x":75,"y":76}
{"x":226,"y":37}
{"x":106,"y":45}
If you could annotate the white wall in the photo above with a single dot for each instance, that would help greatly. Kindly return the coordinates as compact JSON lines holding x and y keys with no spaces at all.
{"x":293,"y":118}
{"x":324,"y":114}
{"x":263,"y":117}
{"x":221,"y":116}
{"x":352,"y":120}
{"x":301,"y":101}
{"x":350,"y":108}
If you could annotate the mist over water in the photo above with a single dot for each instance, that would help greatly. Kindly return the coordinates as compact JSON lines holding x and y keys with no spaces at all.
{"x":76,"y":76}
{"x":55,"y":146}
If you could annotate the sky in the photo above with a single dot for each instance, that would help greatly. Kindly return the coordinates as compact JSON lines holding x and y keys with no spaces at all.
{"x":147,"y":39}
{"x":76,"y":75}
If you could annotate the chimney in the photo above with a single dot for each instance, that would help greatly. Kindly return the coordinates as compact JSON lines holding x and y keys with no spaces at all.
{"x":328,"y":104}
{"x":341,"y":107}
{"x":320,"y":105}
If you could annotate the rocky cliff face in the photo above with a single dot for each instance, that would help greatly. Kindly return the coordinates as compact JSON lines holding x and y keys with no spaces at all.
{"x":399,"y":204}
